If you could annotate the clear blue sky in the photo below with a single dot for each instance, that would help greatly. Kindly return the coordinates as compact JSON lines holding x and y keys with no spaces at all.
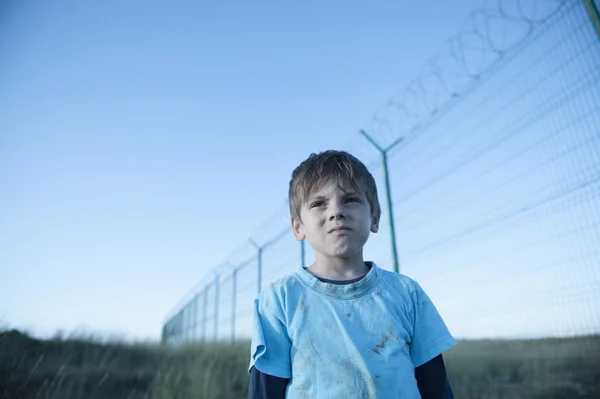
{"x":140,"y":142}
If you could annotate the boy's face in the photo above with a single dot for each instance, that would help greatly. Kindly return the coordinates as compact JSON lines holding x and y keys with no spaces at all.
{"x":336,"y":221}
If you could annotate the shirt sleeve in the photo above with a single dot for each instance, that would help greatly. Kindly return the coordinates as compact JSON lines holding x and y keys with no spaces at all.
{"x":432,"y":380}
{"x":271,"y":345}
{"x":430,"y":334}
{"x":265,"y":386}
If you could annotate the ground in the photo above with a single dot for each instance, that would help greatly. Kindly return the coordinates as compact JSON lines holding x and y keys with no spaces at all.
{"x":84,"y":368}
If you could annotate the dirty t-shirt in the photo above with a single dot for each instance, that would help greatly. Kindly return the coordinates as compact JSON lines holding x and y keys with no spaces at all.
{"x":360,"y":340}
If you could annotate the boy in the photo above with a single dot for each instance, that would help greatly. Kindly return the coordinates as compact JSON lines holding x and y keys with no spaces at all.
{"x":343,"y":327}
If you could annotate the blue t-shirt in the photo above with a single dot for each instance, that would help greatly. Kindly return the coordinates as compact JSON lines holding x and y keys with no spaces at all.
{"x":356,"y":340}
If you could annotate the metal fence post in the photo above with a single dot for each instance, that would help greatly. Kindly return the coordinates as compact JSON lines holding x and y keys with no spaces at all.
{"x":189,"y":320}
{"x":592,"y":12}
{"x":388,"y":193}
{"x":260,"y":252}
{"x":259,"y":282}
{"x":178,"y":325}
{"x":194,"y":317}
{"x":183,"y":324}
{"x":216,"y":326}
{"x":186,"y":322}
{"x":259,"y":270}
{"x":204,"y":313}
{"x":233,"y":303}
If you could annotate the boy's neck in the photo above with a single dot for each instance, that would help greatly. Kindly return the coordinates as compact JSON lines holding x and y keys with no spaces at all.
{"x":338,"y":269}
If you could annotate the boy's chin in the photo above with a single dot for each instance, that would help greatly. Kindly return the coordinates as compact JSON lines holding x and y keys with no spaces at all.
{"x":345,"y":252}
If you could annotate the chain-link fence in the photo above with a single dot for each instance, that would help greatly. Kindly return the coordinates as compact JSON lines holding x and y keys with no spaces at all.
{"x":491,"y":159}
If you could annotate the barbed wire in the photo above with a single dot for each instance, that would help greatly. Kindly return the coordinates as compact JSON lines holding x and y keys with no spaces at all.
{"x":466,"y":58}
{"x":498,"y":111}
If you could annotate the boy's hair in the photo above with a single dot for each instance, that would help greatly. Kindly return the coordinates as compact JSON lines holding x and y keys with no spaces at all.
{"x":319,"y":169}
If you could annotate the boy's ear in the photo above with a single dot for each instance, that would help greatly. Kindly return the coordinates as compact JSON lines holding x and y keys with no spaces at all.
{"x":374,"y":224}
{"x":297,"y":229}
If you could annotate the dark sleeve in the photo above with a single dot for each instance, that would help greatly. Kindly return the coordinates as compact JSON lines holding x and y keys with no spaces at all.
{"x":265,"y":386}
{"x":432,"y":380}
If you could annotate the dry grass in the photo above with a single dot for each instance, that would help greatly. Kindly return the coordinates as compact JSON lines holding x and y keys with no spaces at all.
{"x":84,"y":368}
{"x":529,"y":369}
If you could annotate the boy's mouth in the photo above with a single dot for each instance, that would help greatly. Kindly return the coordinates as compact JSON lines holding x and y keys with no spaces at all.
{"x":339,"y":228}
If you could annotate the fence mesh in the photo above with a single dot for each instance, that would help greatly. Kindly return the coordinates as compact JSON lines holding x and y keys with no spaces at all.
{"x":495,"y":186}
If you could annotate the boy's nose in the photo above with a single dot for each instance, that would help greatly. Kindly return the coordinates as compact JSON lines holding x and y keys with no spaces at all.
{"x":337,"y":212}
{"x":338,"y":215}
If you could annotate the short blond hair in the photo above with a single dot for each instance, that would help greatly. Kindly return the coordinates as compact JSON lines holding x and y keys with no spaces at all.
{"x":327,"y":166}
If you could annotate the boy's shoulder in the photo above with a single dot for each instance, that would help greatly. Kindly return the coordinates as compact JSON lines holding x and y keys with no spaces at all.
{"x":400,"y":281}
{"x":280,"y":288}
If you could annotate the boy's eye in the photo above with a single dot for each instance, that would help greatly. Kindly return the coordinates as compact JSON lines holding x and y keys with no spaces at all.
{"x":353,"y":199}
{"x":318,"y":203}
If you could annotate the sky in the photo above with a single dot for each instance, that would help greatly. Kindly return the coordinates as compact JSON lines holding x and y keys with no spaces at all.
{"x":142,"y":144}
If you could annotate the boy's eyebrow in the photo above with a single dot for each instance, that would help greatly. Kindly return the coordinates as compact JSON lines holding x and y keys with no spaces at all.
{"x":318,"y":197}
{"x":322,"y":197}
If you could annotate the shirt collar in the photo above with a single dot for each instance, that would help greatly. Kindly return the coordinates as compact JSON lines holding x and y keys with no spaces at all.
{"x":340,"y":291}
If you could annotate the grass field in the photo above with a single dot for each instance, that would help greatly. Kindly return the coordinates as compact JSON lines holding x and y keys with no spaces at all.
{"x":84,"y":368}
